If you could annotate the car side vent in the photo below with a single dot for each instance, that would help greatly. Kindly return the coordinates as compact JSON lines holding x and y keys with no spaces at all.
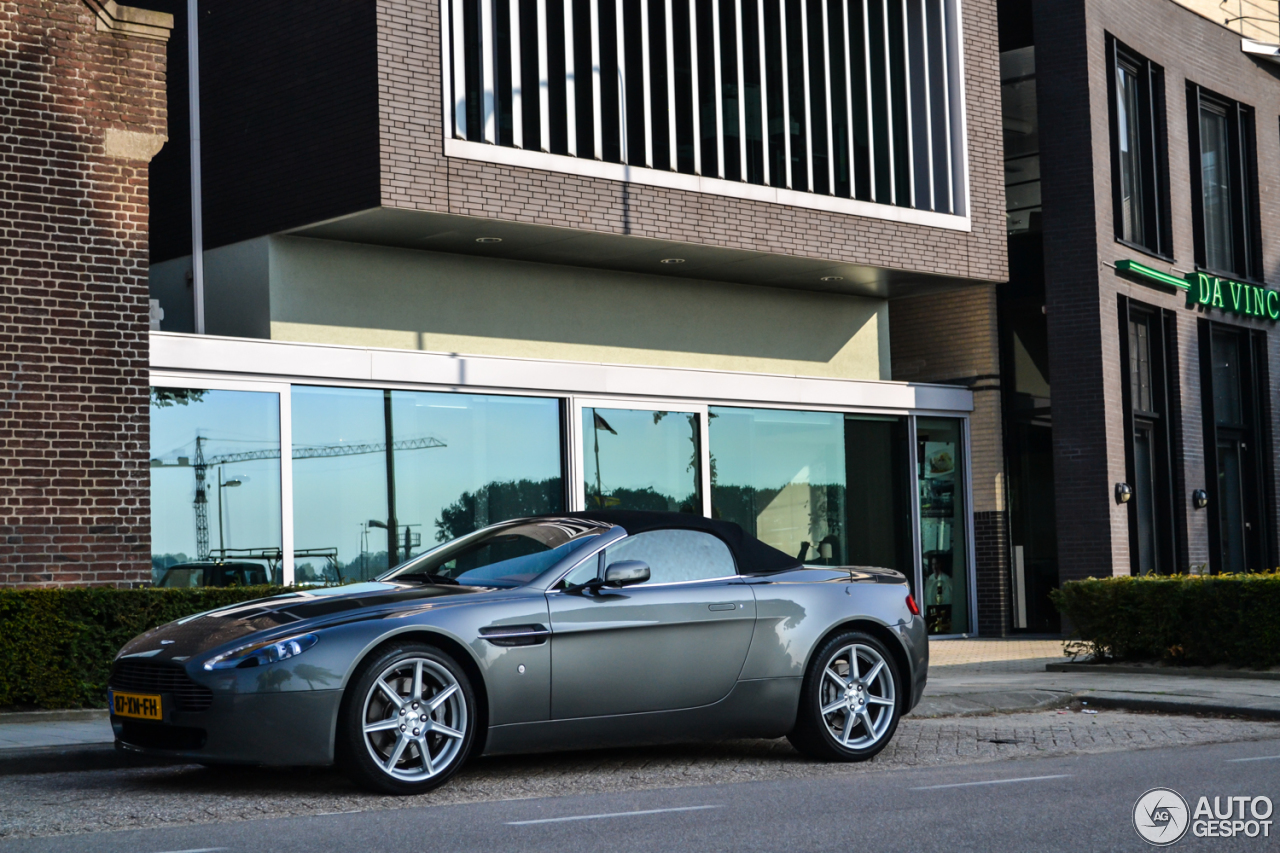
{"x":516,"y":635}
{"x":146,"y":676}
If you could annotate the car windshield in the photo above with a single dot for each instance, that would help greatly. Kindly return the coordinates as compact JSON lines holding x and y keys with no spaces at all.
{"x":505,"y":555}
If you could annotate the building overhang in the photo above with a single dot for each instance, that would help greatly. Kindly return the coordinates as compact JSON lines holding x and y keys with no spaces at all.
{"x":505,"y":239}
{"x":1261,"y":50}
{"x":176,"y":354}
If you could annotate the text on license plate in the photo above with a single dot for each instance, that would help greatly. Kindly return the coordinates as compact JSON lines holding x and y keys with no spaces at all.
{"x":140,"y":705}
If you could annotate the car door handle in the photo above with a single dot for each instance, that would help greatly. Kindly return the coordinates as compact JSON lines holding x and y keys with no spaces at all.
{"x":727,"y":606}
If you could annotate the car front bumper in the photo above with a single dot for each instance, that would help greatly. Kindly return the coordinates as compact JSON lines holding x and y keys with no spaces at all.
{"x":288,"y":728}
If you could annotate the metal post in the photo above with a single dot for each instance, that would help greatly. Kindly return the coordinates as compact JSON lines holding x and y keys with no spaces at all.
{"x":197,"y":197}
{"x":742,"y":94}
{"x":786,"y":93}
{"x":570,"y":82}
{"x":393,"y":525}
{"x":764,"y":93}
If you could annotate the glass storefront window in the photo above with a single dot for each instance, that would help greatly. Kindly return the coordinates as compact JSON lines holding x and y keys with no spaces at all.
{"x":641,"y":459}
{"x":215,"y":487}
{"x":879,"y":502}
{"x":943,"y":528}
{"x":832,"y":489}
{"x":457,"y":462}
{"x":781,"y":476}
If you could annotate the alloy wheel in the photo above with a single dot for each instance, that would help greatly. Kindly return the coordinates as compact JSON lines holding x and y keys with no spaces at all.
{"x":857,"y":696}
{"x":414,"y":719}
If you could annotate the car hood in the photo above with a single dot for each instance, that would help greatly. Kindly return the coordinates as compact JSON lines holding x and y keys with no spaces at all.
{"x":303,"y":609}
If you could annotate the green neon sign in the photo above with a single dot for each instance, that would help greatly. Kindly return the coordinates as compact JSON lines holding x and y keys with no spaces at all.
{"x":1237,"y":297}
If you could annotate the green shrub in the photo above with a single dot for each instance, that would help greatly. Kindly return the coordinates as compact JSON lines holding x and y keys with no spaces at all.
{"x":56,"y":645}
{"x":1197,"y":620}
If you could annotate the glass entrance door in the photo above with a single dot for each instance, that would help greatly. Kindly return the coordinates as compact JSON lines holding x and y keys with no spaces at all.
{"x":940,"y":473}
{"x":641,"y":456}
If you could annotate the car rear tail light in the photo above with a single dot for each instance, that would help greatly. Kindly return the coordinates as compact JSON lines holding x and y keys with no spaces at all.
{"x":912,"y":606}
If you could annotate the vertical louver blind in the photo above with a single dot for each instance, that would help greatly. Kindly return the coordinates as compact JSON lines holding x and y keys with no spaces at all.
{"x":857,"y":99}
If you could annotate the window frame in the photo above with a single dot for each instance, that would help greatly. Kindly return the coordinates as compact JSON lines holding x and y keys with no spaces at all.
{"x":1243,"y":167}
{"x":1153,"y":153}
{"x":167,"y":379}
{"x":1158,"y":419}
{"x":1255,"y":426}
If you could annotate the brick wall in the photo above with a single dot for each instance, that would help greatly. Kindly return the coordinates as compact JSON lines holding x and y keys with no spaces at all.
{"x":1082,"y":288}
{"x":82,"y":112}
{"x":953,"y":338}
{"x":417,"y":175}
{"x":991,"y":573}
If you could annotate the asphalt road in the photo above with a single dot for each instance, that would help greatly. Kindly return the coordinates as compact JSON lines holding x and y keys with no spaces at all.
{"x":1069,"y":803}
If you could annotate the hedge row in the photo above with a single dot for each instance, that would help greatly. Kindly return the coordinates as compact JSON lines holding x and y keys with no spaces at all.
{"x":1195,"y":620}
{"x":56,"y":645}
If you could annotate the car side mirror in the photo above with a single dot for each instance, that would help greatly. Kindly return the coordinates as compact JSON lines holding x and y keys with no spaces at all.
{"x":626,"y":573}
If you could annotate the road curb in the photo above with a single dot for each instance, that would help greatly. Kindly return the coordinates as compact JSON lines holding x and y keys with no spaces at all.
{"x":995,"y":702}
{"x":1183,"y":672}
{"x":1030,"y":701}
{"x":1177,"y":706}
{"x":71,"y":759}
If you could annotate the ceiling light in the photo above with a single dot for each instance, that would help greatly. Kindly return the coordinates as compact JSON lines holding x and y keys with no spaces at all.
{"x":488,"y":239}
{"x":673,"y":260}
{"x":832,"y":278}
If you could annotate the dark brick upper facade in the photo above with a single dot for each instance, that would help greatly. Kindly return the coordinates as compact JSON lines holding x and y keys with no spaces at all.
{"x":82,"y":110}
{"x":1083,"y":290}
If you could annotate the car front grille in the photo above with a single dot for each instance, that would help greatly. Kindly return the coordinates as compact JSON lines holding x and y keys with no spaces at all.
{"x":153,"y":736}
{"x":145,"y":676}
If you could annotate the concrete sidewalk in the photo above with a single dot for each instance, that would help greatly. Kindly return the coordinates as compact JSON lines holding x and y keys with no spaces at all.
{"x":995,"y":676}
{"x":966,"y":677}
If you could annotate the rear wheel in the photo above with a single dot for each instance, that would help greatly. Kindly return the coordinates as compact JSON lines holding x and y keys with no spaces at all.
{"x":849,"y":701}
{"x":407,"y":721}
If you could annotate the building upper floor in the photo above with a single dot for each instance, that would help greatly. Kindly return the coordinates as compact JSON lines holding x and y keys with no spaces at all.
{"x":847,"y":146}
{"x":1161,"y":147}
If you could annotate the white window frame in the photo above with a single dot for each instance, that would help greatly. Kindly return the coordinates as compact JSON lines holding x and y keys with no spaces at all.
{"x":957,"y":155}
{"x":161,"y":379}
{"x":575,"y":437}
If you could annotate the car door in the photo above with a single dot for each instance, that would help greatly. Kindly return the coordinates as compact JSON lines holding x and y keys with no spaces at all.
{"x":676,"y":641}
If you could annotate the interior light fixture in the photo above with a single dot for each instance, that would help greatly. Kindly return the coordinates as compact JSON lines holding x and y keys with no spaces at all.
{"x":488,"y":239}
{"x":832,"y":278}
{"x":673,"y":260}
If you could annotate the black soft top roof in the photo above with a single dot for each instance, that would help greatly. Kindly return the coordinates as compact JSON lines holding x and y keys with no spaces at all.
{"x":752,"y":556}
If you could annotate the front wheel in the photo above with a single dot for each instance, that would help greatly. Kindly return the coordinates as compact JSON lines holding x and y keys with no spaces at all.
{"x":408,"y":720}
{"x":849,"y":700}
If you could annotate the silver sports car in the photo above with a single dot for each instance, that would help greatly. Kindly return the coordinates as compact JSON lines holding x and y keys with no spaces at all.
{"x":571,"y":631}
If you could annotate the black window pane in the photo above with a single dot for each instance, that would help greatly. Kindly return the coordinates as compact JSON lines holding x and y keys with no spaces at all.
{"x":1130,"y":140}
{"x":1227,"y":410}
{"x":1215,"y":181}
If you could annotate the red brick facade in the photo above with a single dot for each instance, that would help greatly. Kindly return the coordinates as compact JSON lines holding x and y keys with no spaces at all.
{"x":82,"y":110}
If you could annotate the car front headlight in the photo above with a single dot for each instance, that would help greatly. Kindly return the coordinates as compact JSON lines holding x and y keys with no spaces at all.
{"x":261,"y":654}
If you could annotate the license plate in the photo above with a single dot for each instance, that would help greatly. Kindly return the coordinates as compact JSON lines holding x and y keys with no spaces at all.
{"x":141,"y":706}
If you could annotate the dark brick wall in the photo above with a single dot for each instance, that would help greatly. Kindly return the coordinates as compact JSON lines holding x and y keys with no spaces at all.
{"x":1078,"y":345}
{"x":1082,"y":288}
{"x":992,"y":572}
{"x":74,"y":502}
{"x":289,"y":119}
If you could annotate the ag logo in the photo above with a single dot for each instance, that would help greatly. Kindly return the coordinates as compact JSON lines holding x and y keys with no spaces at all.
{"x":1161,"y":817}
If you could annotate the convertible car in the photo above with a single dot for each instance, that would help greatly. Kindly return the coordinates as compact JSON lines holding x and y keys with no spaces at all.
{"x":579,"y":630}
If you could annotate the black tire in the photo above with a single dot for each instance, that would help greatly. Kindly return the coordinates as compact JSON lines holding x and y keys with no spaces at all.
{"x":814,"y":733}
{"x":365,"y":702}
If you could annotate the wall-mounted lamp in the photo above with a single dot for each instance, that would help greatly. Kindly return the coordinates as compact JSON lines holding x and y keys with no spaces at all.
{"x":1123,"y":492}
{"x":1200,"y":498}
